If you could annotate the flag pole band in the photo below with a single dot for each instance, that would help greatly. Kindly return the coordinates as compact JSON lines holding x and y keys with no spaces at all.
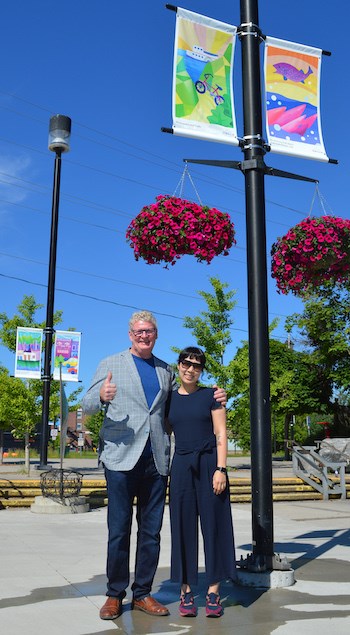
{"x":252,"y":136}
{"x":250,"y":24}
{"x":256,"y":33}
{"x":250,"y":146}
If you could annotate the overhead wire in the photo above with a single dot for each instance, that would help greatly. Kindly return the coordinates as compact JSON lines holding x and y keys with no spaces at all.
{"x":95,"y":205}
{"x":108,"y":301}
{"x":206,"y":178}
{"x":170,"y":165}
{"x":116,"y":280}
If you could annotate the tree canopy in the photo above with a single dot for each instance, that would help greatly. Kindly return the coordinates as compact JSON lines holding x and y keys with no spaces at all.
{"x":302,"y":382}
{"x":20,"y":400}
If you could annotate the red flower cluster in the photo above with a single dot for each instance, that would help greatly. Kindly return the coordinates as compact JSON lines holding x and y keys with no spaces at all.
{"x":314,"y":251}
{"x":172,"y":227}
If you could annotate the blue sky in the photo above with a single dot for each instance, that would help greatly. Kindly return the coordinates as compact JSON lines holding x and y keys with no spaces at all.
{"x":108,"y":65}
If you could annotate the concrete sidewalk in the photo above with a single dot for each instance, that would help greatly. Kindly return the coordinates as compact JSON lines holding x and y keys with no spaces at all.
{"x":52,"y":577}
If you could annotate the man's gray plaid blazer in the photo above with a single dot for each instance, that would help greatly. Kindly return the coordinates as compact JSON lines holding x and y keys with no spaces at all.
{"x":128,"y":420}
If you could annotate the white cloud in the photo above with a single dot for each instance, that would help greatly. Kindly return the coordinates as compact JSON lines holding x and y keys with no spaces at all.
{"x":12,"y":189}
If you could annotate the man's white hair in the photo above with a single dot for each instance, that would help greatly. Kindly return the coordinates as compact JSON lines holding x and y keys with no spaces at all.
{"x":144,"y":316}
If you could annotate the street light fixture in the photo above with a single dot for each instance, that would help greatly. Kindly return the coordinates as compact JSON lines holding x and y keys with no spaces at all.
{"x":59,"y":134}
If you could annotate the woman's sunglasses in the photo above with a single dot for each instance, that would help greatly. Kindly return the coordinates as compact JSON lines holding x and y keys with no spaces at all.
{"x":185,"y":363}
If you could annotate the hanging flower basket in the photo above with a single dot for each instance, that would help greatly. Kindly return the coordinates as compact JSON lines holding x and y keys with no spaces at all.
{"x":312,"y":252}
{"x":173,"y":227}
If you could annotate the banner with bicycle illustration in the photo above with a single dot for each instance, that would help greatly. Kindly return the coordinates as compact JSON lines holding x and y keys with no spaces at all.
{"x":202,"y":78}
{"x":292,"y":87}
{"x":66,"y":355}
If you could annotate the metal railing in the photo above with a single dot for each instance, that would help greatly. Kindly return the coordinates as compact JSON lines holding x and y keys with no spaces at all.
{"x":317,"y":471}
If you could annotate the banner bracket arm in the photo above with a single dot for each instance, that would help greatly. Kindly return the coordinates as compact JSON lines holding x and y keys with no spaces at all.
{"x":171,"y":7}
{"x":252,"y":164}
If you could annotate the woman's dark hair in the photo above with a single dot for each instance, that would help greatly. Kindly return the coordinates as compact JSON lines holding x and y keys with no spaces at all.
{"x":193,"y":353}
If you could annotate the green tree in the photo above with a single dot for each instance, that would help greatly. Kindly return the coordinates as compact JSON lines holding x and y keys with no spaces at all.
{"x":211,"y":329}
{"x":296,"y":388}
{"x":324,"y":326}
{"x":5,"y":424}
{"x":19,"y":410}
{"x":93,"y":423}
{"x":26,"y":317}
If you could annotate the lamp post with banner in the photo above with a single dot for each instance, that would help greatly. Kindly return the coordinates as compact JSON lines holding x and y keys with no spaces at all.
{"x":59,"y":135}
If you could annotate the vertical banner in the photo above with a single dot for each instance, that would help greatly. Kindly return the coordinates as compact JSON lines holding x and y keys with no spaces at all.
{"x":292,"y":86}
{"x":66,"y":355}
{"x":202,"y":78}
{"x":28,"y":352}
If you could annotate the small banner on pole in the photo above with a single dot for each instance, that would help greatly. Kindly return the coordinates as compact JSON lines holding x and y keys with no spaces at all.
{"x":67,"y":354}
{"x":202,"y":78}
{"x":28,"y":352}
{"x":292,"y":87}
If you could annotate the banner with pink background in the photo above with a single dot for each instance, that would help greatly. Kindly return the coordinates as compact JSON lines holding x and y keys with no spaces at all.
{"x":66,"y":355}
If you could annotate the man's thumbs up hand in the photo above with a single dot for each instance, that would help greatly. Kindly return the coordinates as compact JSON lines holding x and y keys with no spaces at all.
{"x":109,"y":377}
{"x":108,"y":389}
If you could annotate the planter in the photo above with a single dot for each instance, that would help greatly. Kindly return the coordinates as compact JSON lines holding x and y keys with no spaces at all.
{"x":173,"y":227}
{"x":312,"y":253}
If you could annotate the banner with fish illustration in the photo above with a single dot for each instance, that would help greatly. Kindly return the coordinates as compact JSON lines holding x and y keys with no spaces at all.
{"x":202,"y":78}
{"x":66,"y":355}
{"x":28,"y":352}
{"x":292,"y":86}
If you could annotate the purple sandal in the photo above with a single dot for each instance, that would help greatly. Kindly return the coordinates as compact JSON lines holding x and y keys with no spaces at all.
{"x":213,"y":607}
{"x":187,"y":606}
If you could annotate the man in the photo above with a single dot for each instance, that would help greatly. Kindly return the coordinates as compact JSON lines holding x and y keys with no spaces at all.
{"x":132,"y":387}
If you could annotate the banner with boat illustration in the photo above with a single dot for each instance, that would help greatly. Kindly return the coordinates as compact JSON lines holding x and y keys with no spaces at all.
{"x":66,"y":355}
{"x":202,"y":78}
{"x":28,"y":352}
{"x":292,"y":86}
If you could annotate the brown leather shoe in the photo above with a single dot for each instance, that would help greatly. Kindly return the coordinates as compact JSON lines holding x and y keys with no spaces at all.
{"x":111,"y":609}
{"x":149,"y":605}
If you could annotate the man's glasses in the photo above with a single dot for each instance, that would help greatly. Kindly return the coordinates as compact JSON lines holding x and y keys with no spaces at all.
{"x":185,"y":363}
{"x":140,"y":332}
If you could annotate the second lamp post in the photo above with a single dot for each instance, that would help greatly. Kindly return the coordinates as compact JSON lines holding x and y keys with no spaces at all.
{"x":59,"y":134}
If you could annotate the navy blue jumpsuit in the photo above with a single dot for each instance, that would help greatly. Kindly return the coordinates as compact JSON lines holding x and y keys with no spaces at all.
{"x":191,"y":493}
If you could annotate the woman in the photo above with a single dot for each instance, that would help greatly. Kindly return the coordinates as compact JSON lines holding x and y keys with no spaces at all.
{"x":199,"y":487}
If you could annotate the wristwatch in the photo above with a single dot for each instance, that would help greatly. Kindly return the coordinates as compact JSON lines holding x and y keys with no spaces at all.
{"x":221,"y":469}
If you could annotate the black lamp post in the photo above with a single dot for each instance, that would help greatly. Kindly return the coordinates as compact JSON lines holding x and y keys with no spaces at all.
{"x":59,"y":134}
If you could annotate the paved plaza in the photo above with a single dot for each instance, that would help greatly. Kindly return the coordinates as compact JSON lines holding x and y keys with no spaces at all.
{"x":52,"y":576}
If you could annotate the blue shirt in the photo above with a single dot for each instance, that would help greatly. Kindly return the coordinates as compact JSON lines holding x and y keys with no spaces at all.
{"x":150,"y":385}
